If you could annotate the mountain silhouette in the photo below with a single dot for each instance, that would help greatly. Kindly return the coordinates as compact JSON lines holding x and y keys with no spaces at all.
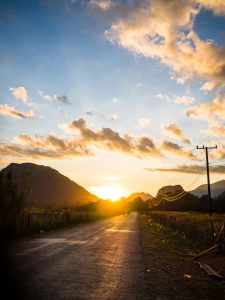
{"x":29,"y":185}
{"x":141,"y":195}
{"x":217,"y":188}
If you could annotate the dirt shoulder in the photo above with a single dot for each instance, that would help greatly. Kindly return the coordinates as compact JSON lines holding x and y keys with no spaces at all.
{"x":169,"y":267}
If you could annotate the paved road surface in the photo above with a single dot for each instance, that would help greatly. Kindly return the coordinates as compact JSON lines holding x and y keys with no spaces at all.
{"x":101,"y":260}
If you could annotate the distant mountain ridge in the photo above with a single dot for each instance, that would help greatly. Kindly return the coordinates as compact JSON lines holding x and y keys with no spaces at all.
{"x":217,"y":188}
{"x":40,"y":186}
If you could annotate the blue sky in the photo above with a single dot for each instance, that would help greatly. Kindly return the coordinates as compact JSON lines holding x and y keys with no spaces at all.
{"x":114,"y":93}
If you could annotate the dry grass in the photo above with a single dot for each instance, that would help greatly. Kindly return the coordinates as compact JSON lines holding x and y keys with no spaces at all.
{"x":170,"y":270}
{"x":195,"y":226}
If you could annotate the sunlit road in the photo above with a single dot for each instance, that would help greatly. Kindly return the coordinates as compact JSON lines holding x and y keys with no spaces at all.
{"x":101,"y":260}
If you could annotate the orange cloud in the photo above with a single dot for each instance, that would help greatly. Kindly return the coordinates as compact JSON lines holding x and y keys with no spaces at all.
{"x":112,"y":140}
{"x":165,"y":30}
{"x":51,"y":146}
{"x":176,"y":132}
{"x":10,"y":111}
{"x":184,"y":100}
{"x":216,"y":129}
{"x":190,"y":169}
{"x":217,"y":6}
{"x":55,"y":146}
{"x":20,"y":93}
{"x":177,"y":150}
{"x":208,"y":111}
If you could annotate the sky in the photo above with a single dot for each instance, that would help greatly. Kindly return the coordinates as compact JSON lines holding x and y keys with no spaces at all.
{"x":115,"y":95}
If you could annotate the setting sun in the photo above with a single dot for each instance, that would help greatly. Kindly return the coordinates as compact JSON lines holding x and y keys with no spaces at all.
{"x":109,"y":192}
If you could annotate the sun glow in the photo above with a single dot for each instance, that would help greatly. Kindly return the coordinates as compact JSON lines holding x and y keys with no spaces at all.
{"x":113,"y":193}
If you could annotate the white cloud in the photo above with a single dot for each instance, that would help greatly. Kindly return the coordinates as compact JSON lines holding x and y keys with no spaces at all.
{"x":102,"y":4}
{"x":112,"y":117}
{"x":176,"y":99}
{"x":144,"y":122}
{"x":163,"y":97}
{"x":52,"y":98}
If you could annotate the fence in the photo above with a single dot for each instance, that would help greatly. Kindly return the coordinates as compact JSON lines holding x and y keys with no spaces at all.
{"x":25,"y":223}
{"x":194,"y":226}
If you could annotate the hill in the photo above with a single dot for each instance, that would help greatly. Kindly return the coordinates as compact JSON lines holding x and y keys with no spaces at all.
{"x":170,"y":191}
{"x":217,"y":188}
{"x":142,"y":195}
{"x":31,"y":185}
{"x":175,"y":198}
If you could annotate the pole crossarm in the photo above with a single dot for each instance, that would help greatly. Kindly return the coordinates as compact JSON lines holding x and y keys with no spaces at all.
{"x":203,"y":147}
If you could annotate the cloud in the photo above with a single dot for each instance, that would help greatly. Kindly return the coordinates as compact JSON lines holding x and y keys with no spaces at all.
{"x":84,"y":138}
{"x":102,"y":4}
{"x":51,"y":146}
{"x":176,"y":132}
{"x":165,"y":30}
{"x":146,"y":145}
{"x":63,"y":99}
{"x":208,"y":111}
{"x":107,"y":138}
{"x":163,"y":97}
{"x":20,"y":93}
{"x":103,"y":138}
{"x":10,"y":111}
{"x":177,"y":150}
{"x":216,"y":129}
{"x":112,"y":117}
{"x":221,"y":152}
{"x":184,"y":100}
{"x":176,"y":99}
{"x":144,"y":122}
{"x":218,"y":154}
{"x":217,"y":6}
{"x":90,"y":113}
{"x":190,"y":169}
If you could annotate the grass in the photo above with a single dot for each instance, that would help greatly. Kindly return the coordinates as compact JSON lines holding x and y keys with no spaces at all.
{"x":170,"y":270}
{"x":194,"y":226}
{"x":35,"y":222}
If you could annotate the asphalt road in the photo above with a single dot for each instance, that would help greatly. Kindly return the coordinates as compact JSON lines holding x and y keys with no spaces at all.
{"x":102,"y":260}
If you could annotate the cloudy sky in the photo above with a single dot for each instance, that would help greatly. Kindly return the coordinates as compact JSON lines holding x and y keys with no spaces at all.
{"x":114,"y":94}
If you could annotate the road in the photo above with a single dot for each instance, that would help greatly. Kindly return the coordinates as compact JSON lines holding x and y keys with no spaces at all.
{"x":102,"y":260}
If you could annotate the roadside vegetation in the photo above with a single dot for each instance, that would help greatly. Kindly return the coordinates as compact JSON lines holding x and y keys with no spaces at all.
{"x":193,"y":225}
{"x":169,"y":267}
{"x":27,"y":221}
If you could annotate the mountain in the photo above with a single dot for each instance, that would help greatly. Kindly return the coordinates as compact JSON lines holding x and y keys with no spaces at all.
{"x":31,"y":185}
{"x":217,"y":188}
{"x":142,"y":195}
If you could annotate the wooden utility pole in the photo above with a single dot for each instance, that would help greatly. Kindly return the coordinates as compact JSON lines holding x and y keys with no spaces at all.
{"x":208,"y":180}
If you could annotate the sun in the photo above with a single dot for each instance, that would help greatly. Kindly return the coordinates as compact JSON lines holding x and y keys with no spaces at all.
{"x":113,"y":193}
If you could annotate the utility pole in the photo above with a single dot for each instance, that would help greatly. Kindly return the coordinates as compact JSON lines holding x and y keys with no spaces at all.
{"x":208,"y":180}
